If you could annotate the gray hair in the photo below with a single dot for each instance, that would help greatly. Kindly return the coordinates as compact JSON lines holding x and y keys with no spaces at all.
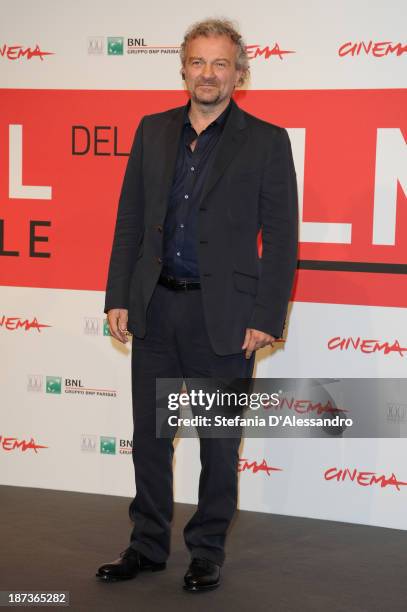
{"x":219,"y":27}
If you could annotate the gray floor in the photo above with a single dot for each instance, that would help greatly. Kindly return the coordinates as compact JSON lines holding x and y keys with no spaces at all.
{"x":55,"y":540}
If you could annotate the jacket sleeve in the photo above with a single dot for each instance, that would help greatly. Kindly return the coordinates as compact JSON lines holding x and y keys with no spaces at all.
{"x":279,"y":223}
{"x":129,"y":228}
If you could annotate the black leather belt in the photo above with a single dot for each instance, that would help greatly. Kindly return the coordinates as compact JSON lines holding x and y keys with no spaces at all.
{"x":178,"y":285}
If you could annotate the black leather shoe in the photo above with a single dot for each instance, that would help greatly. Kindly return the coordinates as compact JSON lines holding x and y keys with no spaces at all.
{"x":202,"y":575}
{"x":129,"y":564}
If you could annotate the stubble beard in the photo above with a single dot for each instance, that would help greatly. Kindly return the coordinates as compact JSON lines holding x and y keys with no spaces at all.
{"x":204,"y":101}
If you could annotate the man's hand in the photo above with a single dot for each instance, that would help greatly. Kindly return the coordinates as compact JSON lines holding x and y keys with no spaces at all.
{"x":118,"y":318}
{"x":255,"y":339}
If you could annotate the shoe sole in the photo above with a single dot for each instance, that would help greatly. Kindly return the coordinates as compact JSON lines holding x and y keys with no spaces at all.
{"x":197,"y":589}
{"x":105,"y":578}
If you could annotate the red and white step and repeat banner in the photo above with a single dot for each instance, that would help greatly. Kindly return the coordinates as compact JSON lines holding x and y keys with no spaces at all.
{"x":75,"y":79}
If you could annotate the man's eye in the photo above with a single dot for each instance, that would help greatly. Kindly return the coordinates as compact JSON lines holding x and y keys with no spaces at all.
{"x":221,"y":64}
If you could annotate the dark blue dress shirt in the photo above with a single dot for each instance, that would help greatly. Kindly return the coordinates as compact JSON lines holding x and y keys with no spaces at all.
{"x":191,"y":172}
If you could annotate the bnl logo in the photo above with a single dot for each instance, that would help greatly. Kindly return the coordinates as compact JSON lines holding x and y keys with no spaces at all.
{"x":53,"y":384}
{"x":107,"y":445}
{"x":115,"y":45}
{"x":106,"y":328}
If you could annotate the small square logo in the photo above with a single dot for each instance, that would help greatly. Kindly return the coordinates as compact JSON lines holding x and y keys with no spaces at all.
{"x":107,"y":445}
{"x":91,"y":326}
{"x":88,"y":443}
{"x":115,"y":45}
{"x":96,"y":45}
{"x":396,"y":413}
{"x":34,"y":382}
{"x":106,"y":328}
{"x":53,"y":384}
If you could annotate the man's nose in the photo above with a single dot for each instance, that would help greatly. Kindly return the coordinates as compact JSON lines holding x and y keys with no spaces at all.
{"x":208,"y":70}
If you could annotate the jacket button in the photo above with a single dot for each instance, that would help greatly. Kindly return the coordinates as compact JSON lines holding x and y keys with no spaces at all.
{"x":159,"y":228}
{"x":159,"y":260}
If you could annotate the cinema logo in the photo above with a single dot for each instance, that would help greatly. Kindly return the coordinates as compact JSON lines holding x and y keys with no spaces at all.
{"x":364,"y":479}
{"x":57,"y":385}
{"x":14,"y":323}
{"x":255,"y":51}
{"x":306,"y":406}
{"x":17,"y":52}
{"x":11,"y":444}
{"x":366,"y":345}
{"x":254,"y":467}
{"x":375,"y":49}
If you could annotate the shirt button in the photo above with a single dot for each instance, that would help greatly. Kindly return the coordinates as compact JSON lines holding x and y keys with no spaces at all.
{"x":186,"y":196}
{"x":182,"y":225}
{"x":178,"y":253}
{"x":192,"y":168}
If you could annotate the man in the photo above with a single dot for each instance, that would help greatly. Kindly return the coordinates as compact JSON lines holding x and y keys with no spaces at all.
{"x":186,"y":280}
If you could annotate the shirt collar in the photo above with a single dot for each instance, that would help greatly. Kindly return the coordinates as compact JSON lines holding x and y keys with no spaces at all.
{"x":218,"y":121}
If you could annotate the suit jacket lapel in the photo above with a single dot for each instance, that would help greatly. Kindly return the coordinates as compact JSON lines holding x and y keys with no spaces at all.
{"x":170,"y":148}
{"x":233,"y":137}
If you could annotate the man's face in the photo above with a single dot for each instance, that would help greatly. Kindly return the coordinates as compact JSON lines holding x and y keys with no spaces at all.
{"x":210,"y":69}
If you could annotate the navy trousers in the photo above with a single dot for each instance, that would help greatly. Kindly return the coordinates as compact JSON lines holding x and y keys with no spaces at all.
{"x":176,"y":345}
